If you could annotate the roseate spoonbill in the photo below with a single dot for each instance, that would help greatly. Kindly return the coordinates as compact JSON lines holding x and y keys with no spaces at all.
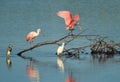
{"x":9,"y":50}
{"x":60,"y":49}
{"x":69,"y":20}
{"x":32,"y":35}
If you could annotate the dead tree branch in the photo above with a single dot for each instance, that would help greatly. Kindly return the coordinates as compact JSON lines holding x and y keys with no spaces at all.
{"x":99,"y":43}
{"x":69,"y":37}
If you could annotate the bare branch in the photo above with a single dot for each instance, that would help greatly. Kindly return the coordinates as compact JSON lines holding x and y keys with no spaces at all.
{"x":70,"y":37}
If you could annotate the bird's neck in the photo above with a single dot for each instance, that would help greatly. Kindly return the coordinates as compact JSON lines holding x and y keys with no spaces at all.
{"x":63,"y":45}
{"x":38,"y":32}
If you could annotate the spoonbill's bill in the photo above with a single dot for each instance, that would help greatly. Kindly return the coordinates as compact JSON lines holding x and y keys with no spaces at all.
{"x":60,"y":49}
{"x":9,"y":50}
{"x":70,"y":20}
{"x":31,"y":35}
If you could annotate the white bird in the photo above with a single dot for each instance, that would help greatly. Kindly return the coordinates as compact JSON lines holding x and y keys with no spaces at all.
{"x":60,"y":49}
{"x":9,"y":50}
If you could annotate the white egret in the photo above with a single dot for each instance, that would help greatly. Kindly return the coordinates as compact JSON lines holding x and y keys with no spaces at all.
{"x":60,"y":49}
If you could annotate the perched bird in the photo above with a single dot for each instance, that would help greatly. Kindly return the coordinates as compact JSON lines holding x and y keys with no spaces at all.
{"x":69,"y":20}
{"x":32,"y":35}
{"x":9,"y":50}
{"x":60,"y":49}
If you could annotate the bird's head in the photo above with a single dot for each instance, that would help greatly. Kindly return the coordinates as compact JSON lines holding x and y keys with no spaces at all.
{"x":63,"y":43}
{"x":39,"y":30}
{"x":78,"y":24}
{"x":10,"y":45}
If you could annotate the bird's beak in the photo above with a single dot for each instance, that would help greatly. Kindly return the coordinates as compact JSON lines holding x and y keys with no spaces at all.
{"x":40,"y":30}
{"x":42,"y":33}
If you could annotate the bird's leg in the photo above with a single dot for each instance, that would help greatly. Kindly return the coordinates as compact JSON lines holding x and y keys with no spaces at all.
{"x":71,"y":31}
{"x":31,"y":43}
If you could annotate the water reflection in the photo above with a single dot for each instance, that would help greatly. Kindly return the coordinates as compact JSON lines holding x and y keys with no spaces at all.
{"x":70,"y":78}
{"x":70,"y":72}
{"x":101,"y":59}
{"x":8,"y":62}
{"x":60,"y":64}
{"x":33,"y":73}
{"x":32,"y":70}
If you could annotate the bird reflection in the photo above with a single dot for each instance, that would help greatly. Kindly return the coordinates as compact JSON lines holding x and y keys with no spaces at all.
{"x":70,"y":78}
{"x":60,"y":63}
{"x":33,"y":73}
{"x":8,"y":62}
{"x":31,"y":69}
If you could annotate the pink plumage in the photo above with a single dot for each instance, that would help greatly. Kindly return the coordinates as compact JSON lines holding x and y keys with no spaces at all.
{"x":69,"y":20}
{"x":31,"y":35}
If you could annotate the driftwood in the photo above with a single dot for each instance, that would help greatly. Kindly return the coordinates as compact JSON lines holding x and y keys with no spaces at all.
{"x":69,"y":37}
{"x":99,"y":45}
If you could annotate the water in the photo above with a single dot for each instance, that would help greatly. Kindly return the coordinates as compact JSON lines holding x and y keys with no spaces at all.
{"x":18,"y":17}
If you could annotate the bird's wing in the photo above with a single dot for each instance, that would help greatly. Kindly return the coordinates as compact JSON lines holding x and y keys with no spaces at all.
{"x":76,"y":17}
{"x":30,"y":36}
{"x":66,"y":15}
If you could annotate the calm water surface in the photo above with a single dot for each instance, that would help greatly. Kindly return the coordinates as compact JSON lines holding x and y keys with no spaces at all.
{"x":18,"y":17}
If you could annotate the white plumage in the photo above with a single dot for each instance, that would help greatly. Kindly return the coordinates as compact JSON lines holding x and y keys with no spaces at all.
{"x":60,"y":49}
{"x":9,"y":50}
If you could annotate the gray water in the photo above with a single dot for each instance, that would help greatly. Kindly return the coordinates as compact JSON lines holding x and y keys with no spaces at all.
{"x":18,"y":17}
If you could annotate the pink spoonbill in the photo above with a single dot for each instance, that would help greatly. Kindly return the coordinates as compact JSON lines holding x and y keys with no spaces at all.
{"x":31,"y":35}
{"x":70,"y":20}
